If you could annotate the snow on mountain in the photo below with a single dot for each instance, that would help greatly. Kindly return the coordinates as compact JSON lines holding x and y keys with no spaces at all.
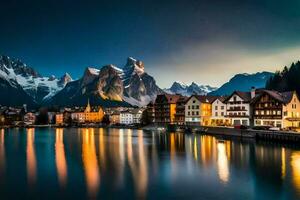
{"x":35,"y":85}
{"x":188,"y":90}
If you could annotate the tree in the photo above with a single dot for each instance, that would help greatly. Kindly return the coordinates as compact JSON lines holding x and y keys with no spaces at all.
{"x":42,"y":117}
{"x":145,"y":119}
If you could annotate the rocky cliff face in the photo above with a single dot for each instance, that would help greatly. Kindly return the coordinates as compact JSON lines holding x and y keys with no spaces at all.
{"x":111,"y":85}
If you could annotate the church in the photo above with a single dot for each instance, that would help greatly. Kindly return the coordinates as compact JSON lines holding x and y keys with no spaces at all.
{"x":91,"y":115}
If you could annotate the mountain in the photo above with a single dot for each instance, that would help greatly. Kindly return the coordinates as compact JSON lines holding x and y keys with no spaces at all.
{"x":188,"y":90}
{"x":110,"y":86}
{"x":16,"y":73}
{"x":243,"y":82}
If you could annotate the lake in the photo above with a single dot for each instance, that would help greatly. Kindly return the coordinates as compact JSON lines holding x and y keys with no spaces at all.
{"x":97,"y":163}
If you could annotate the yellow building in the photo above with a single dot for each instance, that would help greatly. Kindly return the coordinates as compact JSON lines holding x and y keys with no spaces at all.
{"x":59,"y":119}
{"x":89,"y":115}
{"x":291,"y":111}
{"x":198,"y":110}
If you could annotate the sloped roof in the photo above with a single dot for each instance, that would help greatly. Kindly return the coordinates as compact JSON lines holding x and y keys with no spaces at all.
{"x":204,"y":98}
{"x":246,"y":96}
{"x":221,"y":98}
{"x":172,"y":98}
{"x":284,"y":97}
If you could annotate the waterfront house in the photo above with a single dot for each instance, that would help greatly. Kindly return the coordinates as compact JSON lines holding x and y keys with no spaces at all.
{"x":90,"y":115}
{"x":59,"y":118}
{"x":275,"y":109}
{"x":180,"y":110}
{"x":198,"y":110}
{"x":238,"y":108}
{"x":218,"y":117}
{"x":165,"y":108}
{"x":131,"y":116}
{"x":29,"y":118}
{"x":151,"y":112}
{"x":114,"y":117}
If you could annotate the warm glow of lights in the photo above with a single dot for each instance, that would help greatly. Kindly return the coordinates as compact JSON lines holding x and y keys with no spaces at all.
{"x":139,"y":169}
{"x":295,"y":165}
{"x":2,"y":152}
{"x":90,"y":163}
{"x":102,"y":148}
{"x":195,"y":149}
{"x":31,"y":159}
{"x":223,"y":169}
{"x":60,"y":157}
{"x":283,"y":165}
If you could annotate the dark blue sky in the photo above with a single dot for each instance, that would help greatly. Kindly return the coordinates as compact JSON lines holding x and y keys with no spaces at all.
{"x":206,"y":41}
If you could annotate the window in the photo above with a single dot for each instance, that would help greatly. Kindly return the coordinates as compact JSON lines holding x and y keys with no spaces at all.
{"x":216,"y":113}
{"x":197,"y":107}
{"x":222,"y":113}
{"x":194,"y":101}
{"x":222,"y":107}
{"x":189,"y":107}
{"x":256,"y":112}
{"x":192,"y":112}
{"x":189,"y":113}
{"x":192,"y":106}
{"x":234,"y":98}
{"x":216,"y":107}
{"x":197,"y":113}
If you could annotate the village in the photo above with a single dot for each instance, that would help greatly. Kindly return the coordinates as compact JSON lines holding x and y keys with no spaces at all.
{"x":259,"y":109}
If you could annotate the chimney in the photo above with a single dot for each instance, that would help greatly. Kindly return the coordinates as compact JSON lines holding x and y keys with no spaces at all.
{"x":252,"y":92}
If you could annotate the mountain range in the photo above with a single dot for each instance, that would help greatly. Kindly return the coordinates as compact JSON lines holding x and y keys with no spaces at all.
{"x":188,"y":90}
{"x":107,"y":86}
{"x":243,"y":82}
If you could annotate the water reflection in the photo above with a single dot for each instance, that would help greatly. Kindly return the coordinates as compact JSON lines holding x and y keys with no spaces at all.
{"x":60,"y":157}
{"x":223,"y":169}
{"x":89,"y":158}
{"x":122,"y":163}
{"x":295,"y":165}
{"x":31,"y":157}
{"x":2,"y":153}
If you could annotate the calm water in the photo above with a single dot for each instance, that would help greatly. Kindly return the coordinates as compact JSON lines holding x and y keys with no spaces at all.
{"x":113,"y":163}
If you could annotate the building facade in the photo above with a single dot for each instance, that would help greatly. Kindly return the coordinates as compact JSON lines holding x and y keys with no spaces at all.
{"x":180,"y":110}
{"x":89,"y":115}
{"x":130,"y":116}
{"x":165,"y":108}
{"x":198,"y":110}
{"x":238,"y":108}
{"x":219,"y":112}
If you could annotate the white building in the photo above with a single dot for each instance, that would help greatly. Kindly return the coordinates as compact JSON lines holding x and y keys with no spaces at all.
{"x":238,"y":108}
{"x":198,"y":110}
{"x":130,"y":116}
{"x":218,"y":117}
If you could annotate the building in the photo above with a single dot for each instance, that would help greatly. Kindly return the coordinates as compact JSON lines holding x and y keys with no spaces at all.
{"x":89,"y":115}
{"x":238,"y":108}
{"x":165,"y":108}
{"x":198,"y":110}
{"x":275,"y":109}
{"x":29,"y":118}
{"x":180,"y":110}
{"x":131,"y":116}
{"x":114,"y":117}
{"x":218,"y":117}
{"x":59,"y":119}
{"x":151,"y":112}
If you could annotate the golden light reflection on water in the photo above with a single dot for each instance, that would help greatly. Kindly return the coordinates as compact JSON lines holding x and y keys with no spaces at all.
{"x":60,"y":157}
{"x":2,"y":153}
{"x":139,"y":168}
{"x":283,"y":165}
{"x":31,"y":157}
{"x":223,"y":165}
{"x":295,"y":166}
{"x":89,"y":158}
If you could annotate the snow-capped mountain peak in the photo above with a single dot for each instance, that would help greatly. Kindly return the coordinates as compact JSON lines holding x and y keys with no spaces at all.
{"x":188,"y":90}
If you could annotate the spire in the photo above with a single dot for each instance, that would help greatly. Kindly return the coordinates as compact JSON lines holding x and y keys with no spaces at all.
{"x":88,"y":107}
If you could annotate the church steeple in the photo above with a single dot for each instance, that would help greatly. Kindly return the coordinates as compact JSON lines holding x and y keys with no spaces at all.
{"x":88,"y":107}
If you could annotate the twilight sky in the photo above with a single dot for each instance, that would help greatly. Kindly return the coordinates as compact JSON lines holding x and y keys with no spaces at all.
{"x":205,"y":41}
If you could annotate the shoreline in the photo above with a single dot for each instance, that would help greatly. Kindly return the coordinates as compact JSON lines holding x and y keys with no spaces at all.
{"x":228,"y":132}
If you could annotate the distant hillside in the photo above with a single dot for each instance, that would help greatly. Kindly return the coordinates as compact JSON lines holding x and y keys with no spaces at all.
{"x":286,"y":80}
{"x":243,"y":82}
{"x":188,"y":90}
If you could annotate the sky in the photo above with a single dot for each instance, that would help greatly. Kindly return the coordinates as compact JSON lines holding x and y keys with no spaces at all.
{"x":202,"y":41}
